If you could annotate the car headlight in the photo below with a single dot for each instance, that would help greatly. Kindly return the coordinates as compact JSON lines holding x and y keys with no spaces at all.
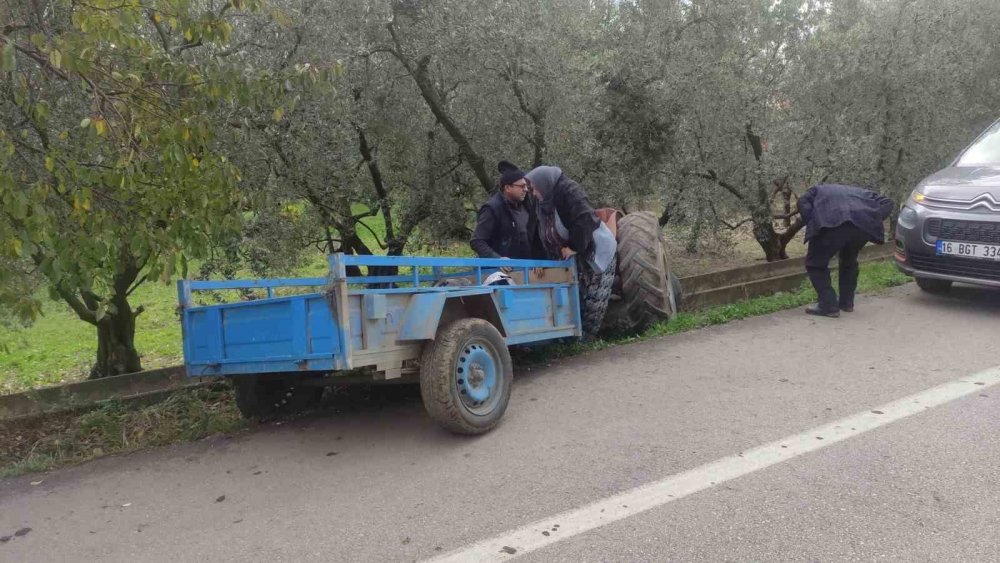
{"x":918,"y":197}
{"x":907,"y":218}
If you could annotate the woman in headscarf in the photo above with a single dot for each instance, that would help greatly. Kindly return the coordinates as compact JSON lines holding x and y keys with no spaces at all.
{"x":568,"y":225}
{"x":567,"y":222}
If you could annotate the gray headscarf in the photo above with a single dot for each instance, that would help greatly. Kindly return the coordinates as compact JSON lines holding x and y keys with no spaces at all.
{"x":543,"y":181}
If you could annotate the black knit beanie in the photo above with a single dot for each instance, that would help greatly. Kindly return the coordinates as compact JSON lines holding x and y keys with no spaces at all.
{"x":509,"y":173}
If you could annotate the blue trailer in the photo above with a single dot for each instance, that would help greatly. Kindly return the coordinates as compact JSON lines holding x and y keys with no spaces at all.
{"x":432,"y":320}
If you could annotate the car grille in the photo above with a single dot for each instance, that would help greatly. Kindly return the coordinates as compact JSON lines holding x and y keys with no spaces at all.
{"x":966,"y":267}
{"x":965,"y":231}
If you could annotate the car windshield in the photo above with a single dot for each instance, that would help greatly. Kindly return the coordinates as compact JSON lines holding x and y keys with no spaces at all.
{"x":985,"y":151}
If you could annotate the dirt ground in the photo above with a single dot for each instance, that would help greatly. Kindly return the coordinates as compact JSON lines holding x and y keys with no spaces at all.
{"x":718,"y":251}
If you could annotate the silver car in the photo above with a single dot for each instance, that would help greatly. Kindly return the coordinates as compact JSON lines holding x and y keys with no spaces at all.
{"x":949,"y":228}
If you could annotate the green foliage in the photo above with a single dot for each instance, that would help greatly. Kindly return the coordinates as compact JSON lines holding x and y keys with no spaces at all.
{"x":137,"y":136}
{"x":111,"y":172}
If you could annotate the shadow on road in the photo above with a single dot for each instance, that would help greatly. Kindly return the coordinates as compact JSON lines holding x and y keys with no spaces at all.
{"x":974,"y":299}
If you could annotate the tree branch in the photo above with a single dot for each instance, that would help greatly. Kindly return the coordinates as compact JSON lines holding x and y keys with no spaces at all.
{"x":164,"y":38}
{"x":713,"y":177}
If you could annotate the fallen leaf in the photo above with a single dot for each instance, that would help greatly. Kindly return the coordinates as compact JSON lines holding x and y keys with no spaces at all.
{"x":39,"y":482}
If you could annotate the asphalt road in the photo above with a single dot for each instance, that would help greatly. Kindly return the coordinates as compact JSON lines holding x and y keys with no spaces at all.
{"x":378,"y":481}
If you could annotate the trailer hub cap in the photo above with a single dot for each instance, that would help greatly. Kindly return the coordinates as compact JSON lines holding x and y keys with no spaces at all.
{"x":476,"y":377}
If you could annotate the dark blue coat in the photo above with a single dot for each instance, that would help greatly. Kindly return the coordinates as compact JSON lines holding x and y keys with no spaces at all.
{"x":497,"y":235}
{"x":831,"y":205}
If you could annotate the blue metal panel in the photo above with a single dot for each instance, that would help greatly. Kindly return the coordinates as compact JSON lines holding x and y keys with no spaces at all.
{"x":524,"y":304}
{"x":204,"y":339}
{"x":299,"y":328}
{"x":271,"y":365}
{"x":303,"y":332}
{"x":528,"y":310}
{"x":542,"y":336}
{"x":505,"y":298}
{"x":323,"y":337}
{"x":564,"y":306}
{"x":251,"y":332}
{"x":420,"y":321}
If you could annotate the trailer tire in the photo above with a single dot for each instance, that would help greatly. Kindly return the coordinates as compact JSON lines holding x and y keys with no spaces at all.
{"x":648,"y":292}
{"x":261,"y":397}
{"x":465,"y":376}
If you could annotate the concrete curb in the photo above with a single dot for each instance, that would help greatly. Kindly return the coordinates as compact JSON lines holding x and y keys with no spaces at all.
{"x":700,"y":291}
{"x":729,"y":286}
{"x":88,"y":393}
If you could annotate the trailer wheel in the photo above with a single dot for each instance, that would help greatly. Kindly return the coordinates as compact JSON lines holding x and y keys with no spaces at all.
{"x":264,"y":396}
{"x":465,"y":376}
{"x":648,"y":292}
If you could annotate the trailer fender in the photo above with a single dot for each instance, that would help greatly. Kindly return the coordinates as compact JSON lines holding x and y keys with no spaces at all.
{"x":425,"y":311}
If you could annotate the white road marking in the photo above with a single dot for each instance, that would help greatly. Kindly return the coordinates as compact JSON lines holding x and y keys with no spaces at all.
{"x":562,"y":526}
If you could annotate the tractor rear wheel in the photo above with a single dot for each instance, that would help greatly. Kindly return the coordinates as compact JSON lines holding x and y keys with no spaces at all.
{"x":649,"y":293}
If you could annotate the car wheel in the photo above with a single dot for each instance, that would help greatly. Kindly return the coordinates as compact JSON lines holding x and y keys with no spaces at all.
{"x":932,"y":285}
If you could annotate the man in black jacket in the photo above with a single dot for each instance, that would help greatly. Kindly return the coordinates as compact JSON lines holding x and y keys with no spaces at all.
{"x":839,"y":220}
{"x":507,"y":225}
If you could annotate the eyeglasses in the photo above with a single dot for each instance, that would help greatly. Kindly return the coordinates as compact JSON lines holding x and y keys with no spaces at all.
{"x":522,"y":185}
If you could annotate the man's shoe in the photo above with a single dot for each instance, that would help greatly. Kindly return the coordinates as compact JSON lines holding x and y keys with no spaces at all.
{"x":816,"y":310}
{"x":849,"y":309}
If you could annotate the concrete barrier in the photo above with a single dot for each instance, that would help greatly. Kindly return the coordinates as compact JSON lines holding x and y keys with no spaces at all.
{"x":700,"y":291}
{"x":729,"y":286}
{"x":75,"y":395}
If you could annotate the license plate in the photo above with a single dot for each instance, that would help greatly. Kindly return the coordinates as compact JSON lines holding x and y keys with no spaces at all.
{"x":968,"y":249}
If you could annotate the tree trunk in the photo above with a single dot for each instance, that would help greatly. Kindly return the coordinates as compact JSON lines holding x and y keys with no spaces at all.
{"x":769,"y":239}
{"x":769,"y":242}
{"x":692,"y":243}
{"x":116,"y":353}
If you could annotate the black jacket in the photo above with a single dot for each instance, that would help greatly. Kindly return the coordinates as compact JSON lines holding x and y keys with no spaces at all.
{"x":496,"y":233}
{"x":826,"y":206}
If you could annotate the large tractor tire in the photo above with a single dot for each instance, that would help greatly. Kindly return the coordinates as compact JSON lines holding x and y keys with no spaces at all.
{"x":648,"y":292}
{"x":465,"y":376}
